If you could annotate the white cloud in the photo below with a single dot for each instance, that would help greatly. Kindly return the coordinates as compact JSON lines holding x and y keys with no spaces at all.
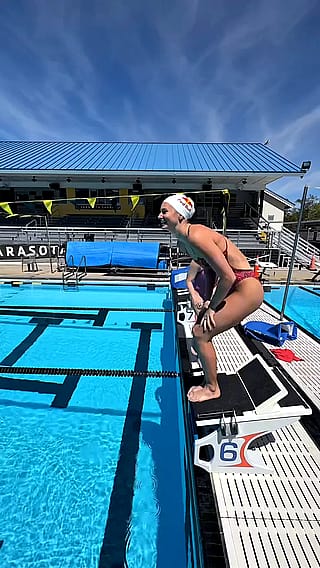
{"x":292,"y":188}
{"x":121,"y":70}
{"x":268,"y":21}
{"x":293,"y":133}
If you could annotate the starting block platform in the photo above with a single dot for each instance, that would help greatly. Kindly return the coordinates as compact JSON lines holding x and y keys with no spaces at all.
{"x":254,"y":402}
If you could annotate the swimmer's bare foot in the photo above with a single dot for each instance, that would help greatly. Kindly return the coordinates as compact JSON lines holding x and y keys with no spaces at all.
{"x":199,"y":394}
{"x":193,"y":389}
{"x":196,"y":387}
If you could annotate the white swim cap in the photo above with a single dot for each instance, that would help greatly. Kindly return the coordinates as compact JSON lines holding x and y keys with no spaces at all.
{"x":182,"y":204}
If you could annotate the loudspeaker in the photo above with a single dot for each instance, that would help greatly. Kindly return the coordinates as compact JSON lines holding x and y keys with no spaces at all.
{"x":137,"y":187}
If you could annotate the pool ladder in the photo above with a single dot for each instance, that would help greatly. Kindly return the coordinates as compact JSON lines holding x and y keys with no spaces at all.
{"x":71,"y":275}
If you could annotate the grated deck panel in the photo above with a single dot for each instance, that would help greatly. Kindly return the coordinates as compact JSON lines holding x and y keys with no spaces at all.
{"x":232,"y":353}
{"x":306,"y":372}
{"x":272,"y":520}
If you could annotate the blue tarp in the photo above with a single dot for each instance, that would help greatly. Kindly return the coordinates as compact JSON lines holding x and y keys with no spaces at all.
{"x":117,"y":253}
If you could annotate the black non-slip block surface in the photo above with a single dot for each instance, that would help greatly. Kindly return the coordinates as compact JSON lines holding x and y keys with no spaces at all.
{"x":295,"y":396}
{"x":258,"y":382}
{"x":233,"y":397}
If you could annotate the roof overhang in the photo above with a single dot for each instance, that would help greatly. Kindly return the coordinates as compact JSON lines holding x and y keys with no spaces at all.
{"x":248,"y":181}
{"x":282,"y":200}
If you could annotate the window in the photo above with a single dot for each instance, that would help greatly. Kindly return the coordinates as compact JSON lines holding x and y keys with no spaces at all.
{"x":270,"y":217}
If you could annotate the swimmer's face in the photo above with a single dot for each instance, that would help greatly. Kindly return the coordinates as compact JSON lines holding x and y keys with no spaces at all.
{"x":168,"y":216}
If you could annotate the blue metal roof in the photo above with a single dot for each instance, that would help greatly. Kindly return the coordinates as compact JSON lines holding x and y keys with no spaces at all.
{"x":142,"y":157}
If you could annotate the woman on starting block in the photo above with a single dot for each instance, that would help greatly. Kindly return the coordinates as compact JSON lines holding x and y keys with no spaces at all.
{"x":236,"y":295}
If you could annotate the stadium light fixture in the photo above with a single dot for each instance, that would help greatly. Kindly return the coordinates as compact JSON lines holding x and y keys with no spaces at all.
{"x":305,"y":166}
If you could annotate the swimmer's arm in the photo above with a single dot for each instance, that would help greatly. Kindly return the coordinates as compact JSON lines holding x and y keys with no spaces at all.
{"x":211,"y":252}
{"x":196,"y":299}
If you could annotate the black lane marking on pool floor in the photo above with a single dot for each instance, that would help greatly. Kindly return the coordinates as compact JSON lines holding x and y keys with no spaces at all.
{"x":20,"y":349}
{"x":46,"y":321}
{"x":77,"y":308}
{"x":23,"y":385}
{"x":101,"y":317}
{"x":55,"y":318}
{"x":62,"y":391}
{"x":64,"y":394}
{"x":310,"y":291}
{"x":47,"y":315}
{"x":113,"y":550}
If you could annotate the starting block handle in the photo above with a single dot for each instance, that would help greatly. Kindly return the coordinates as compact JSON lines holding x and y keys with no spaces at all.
{"x":234,"y":430}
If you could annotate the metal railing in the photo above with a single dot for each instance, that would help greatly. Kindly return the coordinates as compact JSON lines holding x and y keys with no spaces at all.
{"x":58,"y":235}
{"x":244,"y":238}
{"x":71,"y":274}
{"x":284,"y":241}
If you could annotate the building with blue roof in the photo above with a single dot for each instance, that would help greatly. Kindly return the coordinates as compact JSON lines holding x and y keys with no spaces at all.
{"x":113,"y":171}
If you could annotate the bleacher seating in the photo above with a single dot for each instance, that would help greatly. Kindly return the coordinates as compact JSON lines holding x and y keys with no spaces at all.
{"x":241,"y":223}
{"x":99,"y":221}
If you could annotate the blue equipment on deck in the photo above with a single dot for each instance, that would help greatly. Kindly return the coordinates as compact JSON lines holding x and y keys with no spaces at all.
{"x":178,"y":278}
{"x":275,"y":334}
{"x":115,"y":253}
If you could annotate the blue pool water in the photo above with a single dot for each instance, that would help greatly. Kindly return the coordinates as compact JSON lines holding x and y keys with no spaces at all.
{"x":302,"y":306}
{"x":91,"y":467}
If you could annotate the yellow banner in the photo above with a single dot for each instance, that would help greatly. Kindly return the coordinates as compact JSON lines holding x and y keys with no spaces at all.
{"x":6,"y":207}
{"x":92,"y":201}
{"x":225,"y":193}
{"x":48,"y":205}
{"x":226,"y":197}
{"x":134,"y":200}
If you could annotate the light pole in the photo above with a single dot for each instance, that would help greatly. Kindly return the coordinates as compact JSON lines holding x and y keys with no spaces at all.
{"x":293,"y":254}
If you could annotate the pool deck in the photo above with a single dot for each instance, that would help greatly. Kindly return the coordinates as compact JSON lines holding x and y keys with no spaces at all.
{"x":13,"y":270}
{"x":273,"y":519}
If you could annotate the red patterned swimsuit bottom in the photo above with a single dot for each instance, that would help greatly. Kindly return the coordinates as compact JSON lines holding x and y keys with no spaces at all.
{"x":242,"y":274}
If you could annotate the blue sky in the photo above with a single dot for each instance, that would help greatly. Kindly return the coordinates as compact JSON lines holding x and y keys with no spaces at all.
{"x":165,"y":70}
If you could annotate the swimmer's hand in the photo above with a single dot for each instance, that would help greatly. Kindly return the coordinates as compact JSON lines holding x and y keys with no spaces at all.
{"x":197,"y":302}
{"x":207,"y":322}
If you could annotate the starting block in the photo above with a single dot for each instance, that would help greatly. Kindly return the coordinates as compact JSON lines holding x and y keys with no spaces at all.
{"x":253,"y":403}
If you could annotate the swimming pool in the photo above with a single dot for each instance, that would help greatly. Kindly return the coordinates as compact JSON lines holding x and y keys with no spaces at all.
{"x":302,"y":306}
{"x":92,"y":465}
